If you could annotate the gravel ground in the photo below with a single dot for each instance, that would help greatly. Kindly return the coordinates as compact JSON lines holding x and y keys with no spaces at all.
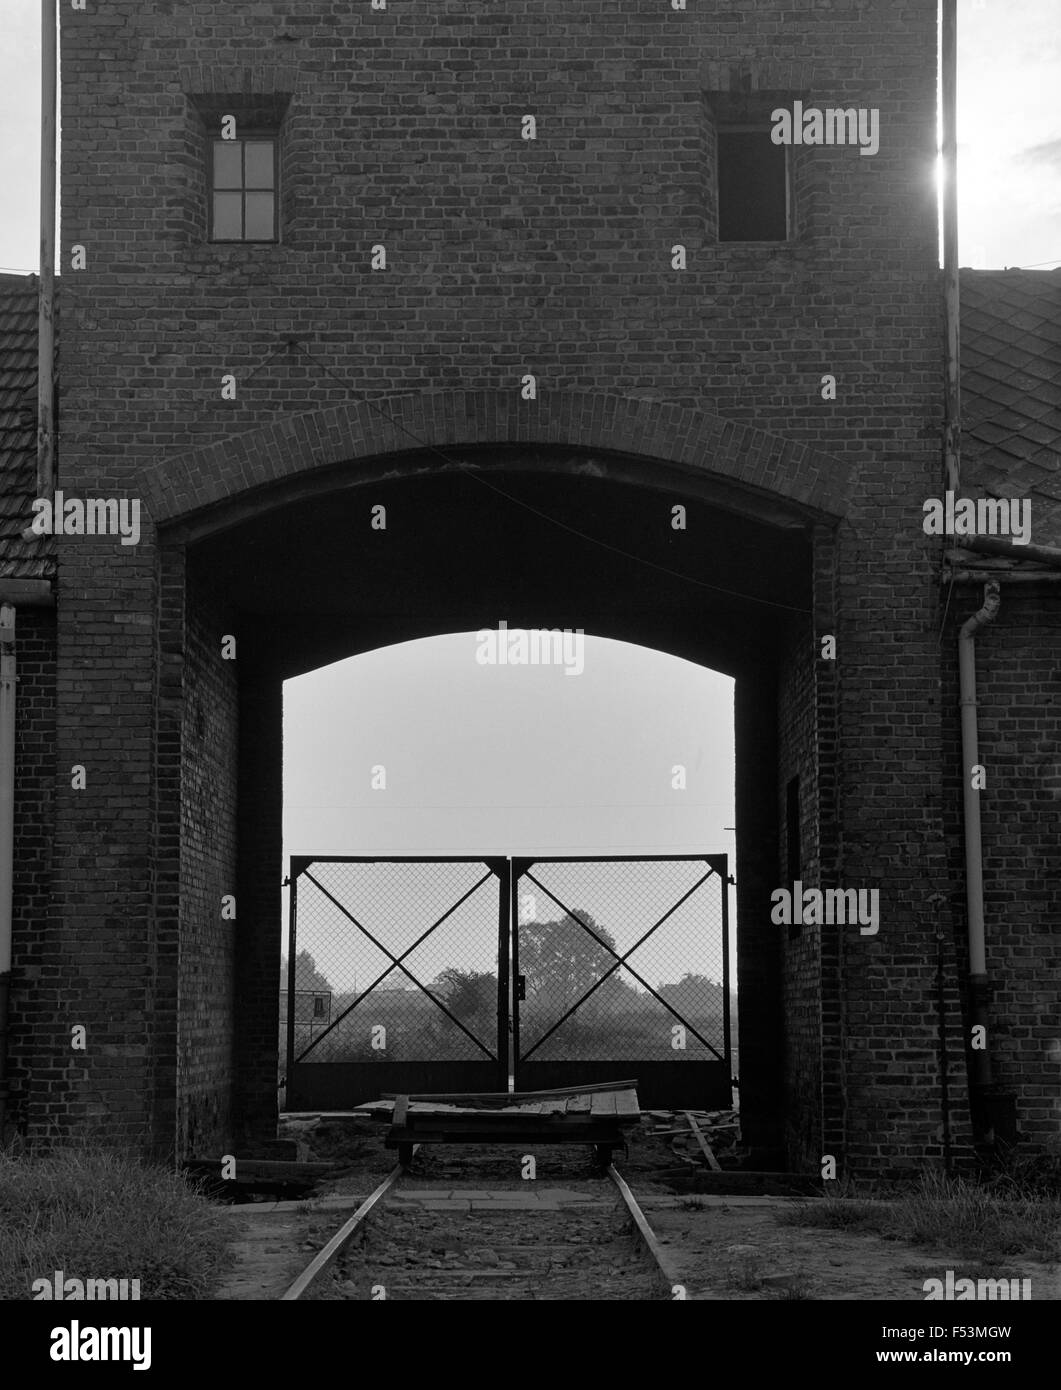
{"x":547,"y":1255}
{"x":721,"y":1248}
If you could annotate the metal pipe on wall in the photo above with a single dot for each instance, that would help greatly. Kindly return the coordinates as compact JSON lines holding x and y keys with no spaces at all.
{"x":980,"y":1077}
{"x":46,"y":286}
{"x":7,"y":834}
{"x":952,"y":432}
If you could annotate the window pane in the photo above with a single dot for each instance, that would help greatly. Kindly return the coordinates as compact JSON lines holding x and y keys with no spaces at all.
{"x":228,"y":210}
{"x":259,"y":217}
{"x":751,"y":187}
{"x":259,"y":165}
{"x":228,"y":163}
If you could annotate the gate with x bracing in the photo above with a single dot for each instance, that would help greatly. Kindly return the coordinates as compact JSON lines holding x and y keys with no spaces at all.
{"x":450,"y":974}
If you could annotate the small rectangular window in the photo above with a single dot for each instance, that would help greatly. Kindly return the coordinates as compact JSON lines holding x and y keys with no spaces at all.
{"x":243,"y":189}
{"x":752,"y":186}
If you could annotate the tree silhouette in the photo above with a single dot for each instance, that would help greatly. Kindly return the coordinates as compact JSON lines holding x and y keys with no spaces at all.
{"x":307,"y":976}
{"x":561,"y":960}
{"x":693,"y":996}
{"x":469,"y":994}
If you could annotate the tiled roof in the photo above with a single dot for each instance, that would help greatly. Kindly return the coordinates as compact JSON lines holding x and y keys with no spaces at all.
{"x":1011,"y":391}
{"x":19,"y":559}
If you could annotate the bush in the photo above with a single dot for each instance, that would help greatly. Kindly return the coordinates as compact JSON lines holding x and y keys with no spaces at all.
{"x":97,"y":1214}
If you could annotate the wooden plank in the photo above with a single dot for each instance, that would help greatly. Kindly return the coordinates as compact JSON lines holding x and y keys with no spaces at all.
{"x":684,"y":1129}
{"x":583,"y":1135}
{"x":712,"y":1161}
{"x":263,"y":1168}
{"x":626,"y":1104}
{"x":515,"y":1097}
{"x":603,"y":1105}
{"x":401,"y":1111}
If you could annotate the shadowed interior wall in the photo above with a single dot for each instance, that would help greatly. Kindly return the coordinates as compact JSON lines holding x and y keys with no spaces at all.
{"x":209,"y":708}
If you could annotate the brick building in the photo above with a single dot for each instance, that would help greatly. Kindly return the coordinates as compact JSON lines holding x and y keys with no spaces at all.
{"x":334,"y":304}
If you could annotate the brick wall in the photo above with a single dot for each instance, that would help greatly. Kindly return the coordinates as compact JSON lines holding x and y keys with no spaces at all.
{"x":261,"y":871}
{"x":800,"y":946}
{"x":1018,"y":670}
{"x":506,"y":257}
{"x":35,"y":1002}
{"x":209,"y":773}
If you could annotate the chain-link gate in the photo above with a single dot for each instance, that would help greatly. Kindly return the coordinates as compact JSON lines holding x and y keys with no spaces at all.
{"x":621,"y":969}
{"x":413,"y":957}
{"x":403,"y":975}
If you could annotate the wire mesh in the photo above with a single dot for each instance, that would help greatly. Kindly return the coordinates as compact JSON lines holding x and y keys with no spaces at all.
{"x":621,"y":960}
{"x":407,"y":952}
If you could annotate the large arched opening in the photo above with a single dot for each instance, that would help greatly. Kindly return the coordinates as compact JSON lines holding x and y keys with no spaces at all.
{"x":296,"y":567}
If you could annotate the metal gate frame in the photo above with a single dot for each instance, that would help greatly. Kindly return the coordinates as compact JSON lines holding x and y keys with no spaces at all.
{"x":315,"y":1086}
{"x":691,"y":1083}
{"x":685,"y":1084}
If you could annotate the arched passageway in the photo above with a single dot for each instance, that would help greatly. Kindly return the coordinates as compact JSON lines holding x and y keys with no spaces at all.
{"x":302,"y":573}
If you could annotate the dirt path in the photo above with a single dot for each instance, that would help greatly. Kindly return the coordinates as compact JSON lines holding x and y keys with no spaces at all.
{"x":724,"y":1247}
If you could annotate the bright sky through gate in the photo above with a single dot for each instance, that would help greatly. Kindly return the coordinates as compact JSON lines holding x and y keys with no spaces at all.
{"x":510,"y":760}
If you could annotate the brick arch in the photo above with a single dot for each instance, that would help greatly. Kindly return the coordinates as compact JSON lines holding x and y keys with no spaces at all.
{"x":291,"y":448}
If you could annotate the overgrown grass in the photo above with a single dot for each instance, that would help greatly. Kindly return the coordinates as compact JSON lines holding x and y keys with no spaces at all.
{"x":981,"y":1222}
{"x":96,"y":1214}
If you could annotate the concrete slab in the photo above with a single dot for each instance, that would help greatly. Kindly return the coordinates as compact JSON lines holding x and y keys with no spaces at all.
{"x":569,"y":1194}
{"x":431,"y":1204}
{"x":707,"y":1200}
{"x":319,"y":1205}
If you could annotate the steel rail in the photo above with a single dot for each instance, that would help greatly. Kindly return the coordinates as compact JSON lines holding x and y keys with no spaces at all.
{"x":662,"y":1260}
{"x":326,"y":1257}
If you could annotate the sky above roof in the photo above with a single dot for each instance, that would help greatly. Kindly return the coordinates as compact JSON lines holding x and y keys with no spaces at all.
{"x":1009,"y":132}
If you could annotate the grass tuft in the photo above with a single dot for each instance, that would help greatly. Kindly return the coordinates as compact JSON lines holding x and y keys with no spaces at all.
{"x":985,"y":1223}
{"x":97,"y":1214}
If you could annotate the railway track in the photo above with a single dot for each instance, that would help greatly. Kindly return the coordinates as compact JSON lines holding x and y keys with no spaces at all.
{"x":474,"y":1245}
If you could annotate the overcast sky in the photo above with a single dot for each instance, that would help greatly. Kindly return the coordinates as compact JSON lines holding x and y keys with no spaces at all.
{"x":483,"y":760}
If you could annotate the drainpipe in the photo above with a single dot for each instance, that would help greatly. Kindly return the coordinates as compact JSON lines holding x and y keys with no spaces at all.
{"x":952,"y":433}
{"x":46,"y":287}
{"x":980,"y":1079}
{"x":7,"y":833}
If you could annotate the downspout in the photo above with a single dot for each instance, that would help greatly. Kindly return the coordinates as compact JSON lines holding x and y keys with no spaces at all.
{"x":980,"y":1078}
{"x":952,"y":432}
{"x":7,"y":834}
{"x":45,"y":489}
{"x":46,"y":287}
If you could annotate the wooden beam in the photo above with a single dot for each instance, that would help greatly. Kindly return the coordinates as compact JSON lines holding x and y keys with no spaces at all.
{"x":712,"y":1161}
{"x":512,"y":1097}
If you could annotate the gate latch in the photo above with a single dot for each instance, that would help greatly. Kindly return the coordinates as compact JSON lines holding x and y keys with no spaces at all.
{"x":521,"y":987}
